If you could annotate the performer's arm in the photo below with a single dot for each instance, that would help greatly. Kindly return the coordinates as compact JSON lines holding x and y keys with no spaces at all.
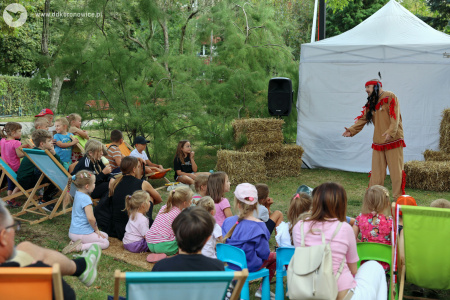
{"x":359,"y":124}
{"x":394,"y":114}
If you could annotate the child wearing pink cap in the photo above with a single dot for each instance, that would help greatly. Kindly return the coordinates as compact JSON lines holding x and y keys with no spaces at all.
{"x":249,"y":233}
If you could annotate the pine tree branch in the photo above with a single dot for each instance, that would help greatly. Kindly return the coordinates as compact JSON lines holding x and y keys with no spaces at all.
{"x":183,"y":29}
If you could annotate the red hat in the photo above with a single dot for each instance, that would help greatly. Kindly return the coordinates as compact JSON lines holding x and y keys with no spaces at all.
{"x":406,"y":200}
{"x":45,"y":111}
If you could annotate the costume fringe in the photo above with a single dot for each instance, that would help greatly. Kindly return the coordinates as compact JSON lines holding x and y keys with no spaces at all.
{"x":362,"y":115}
{"x":392,"y":109}
{"x":389,"y":146}
{"x":381,"y":102}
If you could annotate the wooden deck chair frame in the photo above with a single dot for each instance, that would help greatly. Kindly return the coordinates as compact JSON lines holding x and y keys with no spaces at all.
{"x":184,"y":277}
{"x":37,"y":282}
{"x":79,"y":147}
{"x":8,"y":172}
{"x":31,"y":206}
{"x":430,"y":245}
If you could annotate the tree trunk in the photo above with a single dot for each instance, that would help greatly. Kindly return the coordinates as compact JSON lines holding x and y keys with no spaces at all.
{"x":45,"y":28}
{"x":57,"y":82}
{"x":163,"y":24}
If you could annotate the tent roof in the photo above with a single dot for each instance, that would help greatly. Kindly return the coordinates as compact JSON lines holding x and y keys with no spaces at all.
{"x":391,"y":25}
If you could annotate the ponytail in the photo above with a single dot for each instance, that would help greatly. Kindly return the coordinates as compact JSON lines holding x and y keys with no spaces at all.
{"x":244,"y":211}
{"x":177,"y":197}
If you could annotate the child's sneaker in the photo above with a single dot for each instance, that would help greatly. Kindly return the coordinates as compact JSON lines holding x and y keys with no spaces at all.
{"x":47,"y":208}
{"x":73,"y":246}
{"x":13,"y":203}
{"x":92,"y":257}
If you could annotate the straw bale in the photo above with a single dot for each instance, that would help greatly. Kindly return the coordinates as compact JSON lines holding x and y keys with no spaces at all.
{"x":262,"y":147}
{"x":431,"y":155}
{"x":242,"y":166}
{"x":428,"y":175}
{"x":285,"y":163}
{"x":444,"y":141}
{"x":258,"y":137}
{"x":249,"y":125}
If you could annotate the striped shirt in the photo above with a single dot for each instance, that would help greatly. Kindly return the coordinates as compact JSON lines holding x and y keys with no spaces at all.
{"x":112,"y":152}
{"x":161,"y":230}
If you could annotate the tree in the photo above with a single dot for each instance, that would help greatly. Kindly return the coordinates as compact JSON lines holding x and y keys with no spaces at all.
{"x":441,"y":18}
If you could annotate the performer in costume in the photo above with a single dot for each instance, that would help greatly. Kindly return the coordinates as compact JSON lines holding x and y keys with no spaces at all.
{"x":383,"y":110}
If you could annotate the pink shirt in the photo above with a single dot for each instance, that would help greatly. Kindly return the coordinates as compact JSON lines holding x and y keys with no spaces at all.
{"x":136,"y":229}
{"x":161,"y":230}
{"x":220,"y":207}
{"x":9,"y":155}
{"x":343,"y":245}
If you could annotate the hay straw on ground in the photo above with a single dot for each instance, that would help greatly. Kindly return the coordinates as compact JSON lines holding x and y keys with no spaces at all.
{"x":258,"y":137}
{"x":444,"y":141}
{"x":262,"y":147}
{"x":431,"y":155}
{"x":242,"y":166}
{"x":256,"y":124}
{"x":285,"y":163}
{"x":428,"y":175}
{"x":117,"y":251}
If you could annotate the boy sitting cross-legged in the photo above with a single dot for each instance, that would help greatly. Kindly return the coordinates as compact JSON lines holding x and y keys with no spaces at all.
{"x":28,"y":174}
{"x":192,"y":227}
{"x":140,"y":143}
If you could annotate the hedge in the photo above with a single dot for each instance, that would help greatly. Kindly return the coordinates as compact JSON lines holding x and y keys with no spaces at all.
{"x":23,"y":96}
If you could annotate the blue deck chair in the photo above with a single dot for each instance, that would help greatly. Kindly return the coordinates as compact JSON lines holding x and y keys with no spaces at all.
{"x":236,"y":256}
{"x":55,"y":172}
{"x":378,"y":252}
{"x":8,"y":172}
{"x":179,"y":285}
{"x":284,"y":255}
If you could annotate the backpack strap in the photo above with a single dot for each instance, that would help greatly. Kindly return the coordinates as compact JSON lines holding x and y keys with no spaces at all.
{"x":316,"y":230}
{"x":341,"y":266}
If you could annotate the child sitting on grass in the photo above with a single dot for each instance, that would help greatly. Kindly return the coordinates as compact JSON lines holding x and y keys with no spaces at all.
{"x":272,"y":219}
{"x":161,"y":238}
{"x":201,"y":183}
{"x":114,"y":155}
{"x":192,"y":227}
{"x":137,"y":207}
{"x":64,"y":142}
{"x":83,"y":230}
{"x":209,"y":249}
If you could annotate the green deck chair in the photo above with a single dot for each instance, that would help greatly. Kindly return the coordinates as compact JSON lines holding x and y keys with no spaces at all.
{"x":378,"y":252}
{"x":179,"y":285}
{"x":426,"y":232}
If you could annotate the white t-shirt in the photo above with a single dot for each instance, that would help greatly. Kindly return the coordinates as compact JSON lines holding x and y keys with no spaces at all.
{"x":209,"y":249}
{"x":142,"y":155}
{"x":261,"y":213}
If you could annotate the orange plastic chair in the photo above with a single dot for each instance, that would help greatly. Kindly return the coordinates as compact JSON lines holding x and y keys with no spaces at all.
{"x":30,"y":283}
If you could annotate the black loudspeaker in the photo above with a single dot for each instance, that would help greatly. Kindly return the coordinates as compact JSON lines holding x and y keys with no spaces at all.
{"x":280,"y":96}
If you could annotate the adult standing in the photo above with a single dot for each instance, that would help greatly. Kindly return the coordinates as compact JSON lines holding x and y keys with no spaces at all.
{"x":383,"y":110}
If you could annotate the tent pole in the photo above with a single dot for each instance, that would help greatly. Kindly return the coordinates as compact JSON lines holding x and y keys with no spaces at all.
{"x":313,"y":30}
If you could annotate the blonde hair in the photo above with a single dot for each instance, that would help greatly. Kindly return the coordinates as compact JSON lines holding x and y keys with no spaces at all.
{"x":440,"y":203}
{"x":299,"y":206}
{"x":200,"y":180}
{"x":376,"y":200}
{"x":41,"y":121}
{"x":72,"y":117}
{"x":80,"y":179}
{"x":134,"y":202}
{"x":63,"y":121}
{"x":244,"y":211}
{"x":93,"y":146}
{"x":177,"y":197}
{"x":207,"y":203}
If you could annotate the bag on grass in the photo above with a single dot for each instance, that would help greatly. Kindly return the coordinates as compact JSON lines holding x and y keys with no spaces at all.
{"x":310,"y":272}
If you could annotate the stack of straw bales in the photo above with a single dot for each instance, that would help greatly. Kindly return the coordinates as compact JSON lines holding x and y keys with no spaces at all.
{"x":433,"y":173}
{"x":263,"y":155}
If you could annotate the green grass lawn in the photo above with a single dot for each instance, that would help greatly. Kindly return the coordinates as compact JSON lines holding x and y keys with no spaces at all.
{"x":53,"y":233}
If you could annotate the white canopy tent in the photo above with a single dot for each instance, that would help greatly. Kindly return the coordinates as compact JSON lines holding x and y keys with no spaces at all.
{"x":414,"y":61}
